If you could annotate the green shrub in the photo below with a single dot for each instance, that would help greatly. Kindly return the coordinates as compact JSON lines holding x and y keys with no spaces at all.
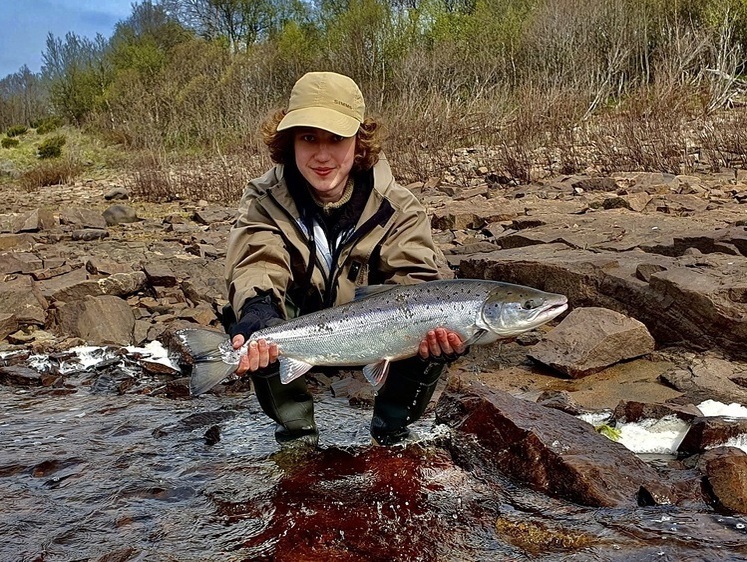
{"x":47,"y":125}
{"x":52,"y":147}
{"x":9,"y":143}
{"x":16,"y":130}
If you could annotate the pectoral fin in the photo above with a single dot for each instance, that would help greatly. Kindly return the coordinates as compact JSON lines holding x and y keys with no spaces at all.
{"x":291,"y":369}
{"x":376,"y":373}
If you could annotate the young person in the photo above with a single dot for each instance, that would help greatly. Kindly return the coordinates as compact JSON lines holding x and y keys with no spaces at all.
{"x":327,"y":218}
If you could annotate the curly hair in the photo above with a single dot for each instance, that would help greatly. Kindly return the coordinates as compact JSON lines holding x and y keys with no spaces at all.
{"x":280,"y":143}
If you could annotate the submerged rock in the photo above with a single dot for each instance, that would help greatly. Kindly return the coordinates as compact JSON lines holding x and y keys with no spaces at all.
{"x":550,"y":450}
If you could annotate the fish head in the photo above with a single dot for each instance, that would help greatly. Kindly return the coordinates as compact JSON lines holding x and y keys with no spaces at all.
{"x":511,"y":309}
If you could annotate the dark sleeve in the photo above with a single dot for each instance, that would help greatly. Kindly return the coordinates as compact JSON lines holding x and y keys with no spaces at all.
{"x":257,"y":313}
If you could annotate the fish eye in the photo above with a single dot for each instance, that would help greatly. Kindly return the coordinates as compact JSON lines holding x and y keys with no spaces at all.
{"x":528,"y":305}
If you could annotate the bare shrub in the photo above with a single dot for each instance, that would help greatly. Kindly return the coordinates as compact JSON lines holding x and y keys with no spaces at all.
{"x":158,"y":177}
{"x":723,"y":140}
{"x":52,"y":172}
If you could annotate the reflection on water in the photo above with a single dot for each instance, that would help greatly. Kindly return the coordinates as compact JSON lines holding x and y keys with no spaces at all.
{"x":129,"y":477}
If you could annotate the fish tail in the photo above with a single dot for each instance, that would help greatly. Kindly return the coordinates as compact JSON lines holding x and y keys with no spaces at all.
{"x":207,"y":373}
{"x":208,"y":366}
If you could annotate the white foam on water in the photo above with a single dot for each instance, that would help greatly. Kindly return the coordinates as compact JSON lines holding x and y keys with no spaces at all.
{"x":155,"y":352}
{"x":89,"y":356}
{"x":663,"y":436}
{"x":654,"y":436}
{"x":713,"y":408}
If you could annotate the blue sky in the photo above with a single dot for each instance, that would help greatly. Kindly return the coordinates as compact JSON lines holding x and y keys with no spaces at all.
{"x":26,"y":23}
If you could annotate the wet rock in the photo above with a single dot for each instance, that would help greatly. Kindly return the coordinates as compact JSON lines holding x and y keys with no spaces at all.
{"x":725,"y":470}
{"x":179,"y":388}
{"x":346,"y":386}
{"x":591,"y":339}
{"x":536,"y":537}
{"x":550,"y":450}
{"x":113,"y":382}
{"x":125,"y":554}
{"x":97,"y":320}
{"x":632,"y":411}
{"x":559,"y":400}
{"x":19,"y":375}
{"x":212,"y":435}
{"x":707,"y":377}
{"x":196,"y":421}
{"x":712,"y":431}
{"x":120,"y":214}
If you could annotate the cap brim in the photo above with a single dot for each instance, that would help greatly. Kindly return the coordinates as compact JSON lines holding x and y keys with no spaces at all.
{"x":321,"y":118}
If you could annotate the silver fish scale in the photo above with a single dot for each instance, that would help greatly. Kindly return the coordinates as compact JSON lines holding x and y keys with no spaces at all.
{"x":383,"y":325}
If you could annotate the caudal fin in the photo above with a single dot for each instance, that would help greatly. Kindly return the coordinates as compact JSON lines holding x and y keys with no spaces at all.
{"x":208,"y":366}
{"x":207,"y":373}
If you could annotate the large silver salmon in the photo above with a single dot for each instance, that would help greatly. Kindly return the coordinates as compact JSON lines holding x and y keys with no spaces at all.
{"x":384,"y":323}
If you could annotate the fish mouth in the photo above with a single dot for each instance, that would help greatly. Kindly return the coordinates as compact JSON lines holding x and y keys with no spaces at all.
{"x":555,"y":309}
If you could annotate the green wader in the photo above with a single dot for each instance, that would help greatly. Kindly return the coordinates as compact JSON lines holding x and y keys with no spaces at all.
{"x":403,"y":398}
{"x":290,"y":405}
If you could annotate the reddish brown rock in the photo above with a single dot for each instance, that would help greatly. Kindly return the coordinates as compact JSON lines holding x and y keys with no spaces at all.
{"x":550,"y":450}
{"x":725,"y":470}
{"x":712,"y":431}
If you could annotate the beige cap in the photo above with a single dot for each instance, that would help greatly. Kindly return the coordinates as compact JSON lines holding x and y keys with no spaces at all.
{"x":325,"y":100}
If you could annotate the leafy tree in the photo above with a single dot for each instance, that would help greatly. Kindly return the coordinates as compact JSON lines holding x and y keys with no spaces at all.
{"x":74,"y":68}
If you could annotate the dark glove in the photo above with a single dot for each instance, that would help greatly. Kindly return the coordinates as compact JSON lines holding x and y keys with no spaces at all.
{"x":257,"y":313}
{"x":447,"y":358}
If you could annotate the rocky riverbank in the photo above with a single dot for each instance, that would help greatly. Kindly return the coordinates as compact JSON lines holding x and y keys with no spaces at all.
{"x":653,"y":265}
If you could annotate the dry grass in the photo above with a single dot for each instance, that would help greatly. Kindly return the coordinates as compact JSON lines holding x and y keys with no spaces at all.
{"x":51,"y":172}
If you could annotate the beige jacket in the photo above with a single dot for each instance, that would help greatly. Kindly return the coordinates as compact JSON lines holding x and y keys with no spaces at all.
{"x":268,"y":250}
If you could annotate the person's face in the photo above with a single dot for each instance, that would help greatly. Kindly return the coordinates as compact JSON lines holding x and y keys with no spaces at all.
{"x":325,"y":160}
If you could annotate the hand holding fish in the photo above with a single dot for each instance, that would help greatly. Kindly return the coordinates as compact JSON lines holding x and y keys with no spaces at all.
{"x":441,"y":343}
{"x":259,"y":354}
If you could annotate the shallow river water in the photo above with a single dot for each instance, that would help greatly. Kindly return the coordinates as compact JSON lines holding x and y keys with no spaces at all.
{"x":87,"y":476}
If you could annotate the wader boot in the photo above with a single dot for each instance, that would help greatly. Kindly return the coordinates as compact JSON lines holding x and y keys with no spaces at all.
{"x":290,"y":405}
{"x":403,"y":399}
